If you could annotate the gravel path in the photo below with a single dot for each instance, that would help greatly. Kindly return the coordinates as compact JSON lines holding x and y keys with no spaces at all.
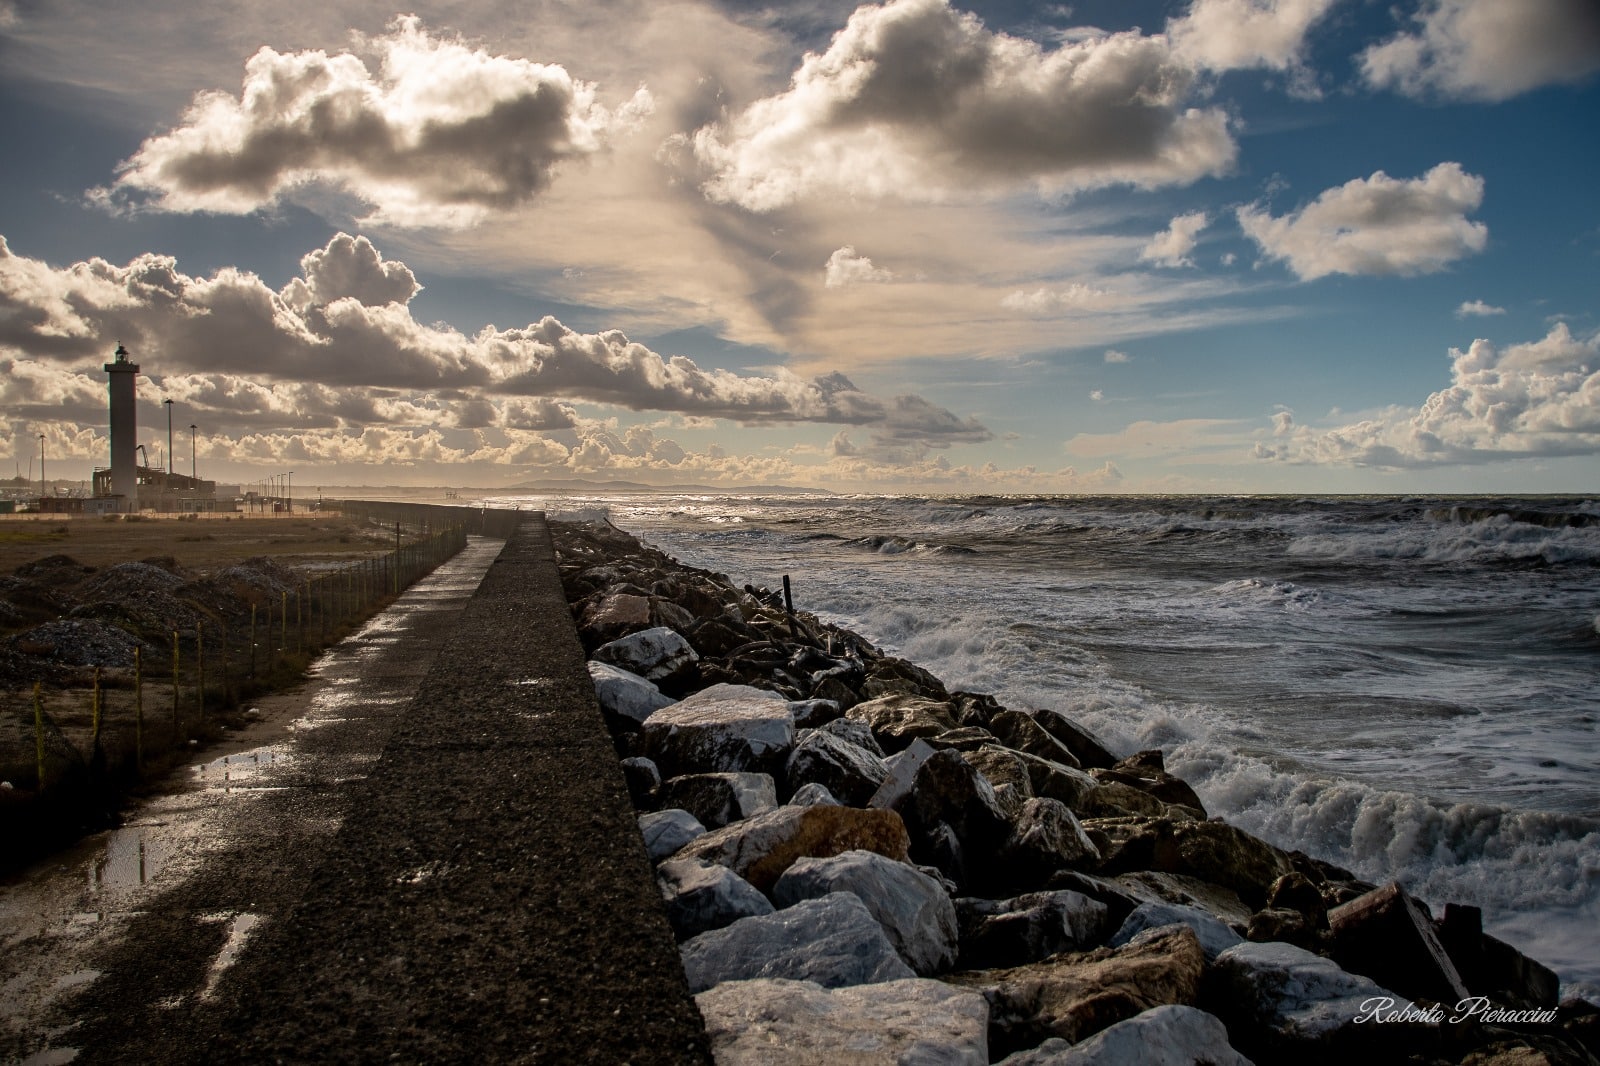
{"x":484,"y":897}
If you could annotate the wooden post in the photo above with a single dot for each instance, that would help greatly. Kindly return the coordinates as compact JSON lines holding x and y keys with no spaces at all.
{"x":138,"y":710}
{"x":788,"y":605}
{"x":38,"y":733}
{"x":200,"y":669}
{"x":176,"y":734}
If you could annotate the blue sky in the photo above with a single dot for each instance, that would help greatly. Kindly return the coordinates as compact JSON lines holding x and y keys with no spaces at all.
{"x":1209,"y":245}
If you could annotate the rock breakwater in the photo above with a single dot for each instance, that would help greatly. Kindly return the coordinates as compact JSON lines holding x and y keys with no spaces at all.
{"x":843,"y":840}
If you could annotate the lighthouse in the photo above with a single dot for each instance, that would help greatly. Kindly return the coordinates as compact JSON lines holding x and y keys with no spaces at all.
{"x":124,"y":429}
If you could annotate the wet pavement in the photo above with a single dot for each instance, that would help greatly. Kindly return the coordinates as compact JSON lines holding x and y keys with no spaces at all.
{"x":133,"y":929}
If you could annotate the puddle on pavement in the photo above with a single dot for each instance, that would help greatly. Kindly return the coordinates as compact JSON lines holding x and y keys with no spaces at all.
{"x":240,"y":926}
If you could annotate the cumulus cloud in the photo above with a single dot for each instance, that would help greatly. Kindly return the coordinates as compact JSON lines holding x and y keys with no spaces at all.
{"x":1171,"y":247}
{"x":1240,"y":34}
{"x":1376,"y":225}
{"x":437,"y":135}
{"x":1488,"y":49}
{"x":339,"y":346}
{"x":1478,"y":309}
{"x":1539,"y":399}
{"x":917,"y":100}
{"x":1075,"y":296}
{"x":845,"y":267}
{"x":1115,"y":356}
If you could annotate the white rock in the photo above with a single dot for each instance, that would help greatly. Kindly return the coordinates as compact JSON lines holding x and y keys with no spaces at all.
{"x":915,"y":1022}
{"x":833,"y":941}
{"x":1171,"y":1035}
{"x":703,"y":896}
{"x":667,"y":831}
{"x":653,"y":654}
{"x":902,"y":767}
{"x":912,"y":907}
{"x":1214,"y":934}
{"x":723,"y":728}
{"x":813,"y":795}
{"x":625,"y":695}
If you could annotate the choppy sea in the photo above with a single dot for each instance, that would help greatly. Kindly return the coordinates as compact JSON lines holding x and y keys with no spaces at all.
{"x":1408,"y":687}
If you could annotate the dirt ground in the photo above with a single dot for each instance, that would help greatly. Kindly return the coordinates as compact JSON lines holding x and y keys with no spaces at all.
{"x":200,"y":543}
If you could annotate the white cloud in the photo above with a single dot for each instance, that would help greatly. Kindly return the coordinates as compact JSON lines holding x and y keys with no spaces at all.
{"x":1097,"y":395}
{"x":916,"y":100}
{"x":340,"y":346}
{"x":1540,"y":399}
{"x":1171,"y":247}
{"x":437,"y":136}
{"x":1050,"y":301}
{"x":1489,"y":49}
{"x":1478,"y":309}
{"x":845,"y":267}
{"x":1239,"y":34}
{"x":1114,"y":356}
{"x":1376,"y":225}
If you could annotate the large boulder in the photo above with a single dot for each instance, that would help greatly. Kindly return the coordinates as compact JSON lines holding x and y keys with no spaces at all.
{"x":1282,"y":1003}
{"x":665,"y":832}
{"x":1089,"y":749}
{"x":1044,"y":838}
{"x":660,"y":655}
{"x":613,"y":614}
{"x":856,"y":732}
{"x":1073,"y":996}
{"x":1147,"y":771}
{"x":851,"y":773}
{"x":1057,"y":781}
{"x":725,"y":728}
{"x":1214,"y":934}
{"x":1020,"y":732}
{"x":1388,"y":936}
{"x":915,"y":1022}
{"x":701,"y":897}
{"x":1171,"y":1035}
{"x":813,"y":795}
{"x":998,"y":765}
{"x":643,"y":781}
{"x":912,"y":907}
{"x":761,"y":848}
{"x":625,"y":698}
{"x":834,"y":941}
{"x":717,"y":799}
{"x":1210,"y":851}
{"x":896,"y":720}
{"x":1002,"y":933}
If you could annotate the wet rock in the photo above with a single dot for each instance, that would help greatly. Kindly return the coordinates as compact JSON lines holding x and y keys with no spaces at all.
{"x":658,"y":655}
{"x":716,"y":637}
{"x":813,"y":714}
{"x":1283,"y":1003}
{"x":975,"y":709}
{"x":700,"y":897}
{"x":1113,"y":799}
{"x":613,"y":615}
{"x":1171,"y":1035}
{"x":890,"y":676}
{"x":1021,"y":733}
{"x":1388,"y":936}
{"x":717,"y":799}
{"x":1003,"y":933}
{"x":1044,"y":838}
{"x":1211,"y":851}
{"x":1088,"y":749}
{"x":833,"y":941}
{"x":902,"y":768}
{"x":666,"y":832}
{"x":1057,"y":781}
{"x":966,"y":738}
{"x":625,"y":698}
{"x":912,"y":907}
{"x":850,"y":773}
{"x":836,"y":690}
{"x":898,"y":719}
{"x":1287,"y":925}
{"x":951,"y":803}
{"x":915,"y":1022}
{"x":725,"y":728}
{"x":1075,"y":995}
{"x":857,"y":733}
{"x":1153,"y":886}
{"x":1214,"y":934}
{"x":669,"y":615}
{"x":1147,"y":772}
{"x":761,"y":848}
{"x":643,"y":780}
{"x":813,"y":795}
{"x":998,"y":765}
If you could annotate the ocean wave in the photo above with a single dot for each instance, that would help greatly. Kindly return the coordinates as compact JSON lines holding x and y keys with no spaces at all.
{"x":1496,"y":540}
{"x":1285,"y":594}
{"x":892,"y":545}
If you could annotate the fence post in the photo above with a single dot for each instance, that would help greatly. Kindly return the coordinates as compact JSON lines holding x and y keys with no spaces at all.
{"x":38,"y":734}
{"x":176,"y":732}
{"x":138,"y":710}
{"x":200,"y":666}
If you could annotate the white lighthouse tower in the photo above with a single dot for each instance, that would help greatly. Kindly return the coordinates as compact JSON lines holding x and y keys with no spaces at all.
{"x":124,"y":429}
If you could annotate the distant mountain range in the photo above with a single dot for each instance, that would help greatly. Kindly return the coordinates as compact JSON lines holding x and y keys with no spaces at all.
{"x":584,"y":485}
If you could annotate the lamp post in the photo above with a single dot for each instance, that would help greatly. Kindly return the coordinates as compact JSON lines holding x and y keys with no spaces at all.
{"x":193,"y":429}
{"x":290,"y":507}
{"x":41,"y":466}
{"x":168,"y":402}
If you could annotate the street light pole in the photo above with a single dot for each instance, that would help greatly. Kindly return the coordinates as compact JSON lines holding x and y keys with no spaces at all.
{"x":193,"y":430}
{"x":41,"y":466}
{"x":170,"y":456}
{"x":291,"y":492}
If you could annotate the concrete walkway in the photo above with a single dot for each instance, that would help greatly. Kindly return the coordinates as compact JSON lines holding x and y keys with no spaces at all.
{"x":477,"y":892}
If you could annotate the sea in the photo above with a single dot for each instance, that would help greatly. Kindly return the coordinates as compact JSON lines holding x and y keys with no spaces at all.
{"x":1408,"y":687}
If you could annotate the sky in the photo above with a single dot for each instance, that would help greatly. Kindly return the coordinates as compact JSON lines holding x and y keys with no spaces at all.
{"x":1304,"y":246}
